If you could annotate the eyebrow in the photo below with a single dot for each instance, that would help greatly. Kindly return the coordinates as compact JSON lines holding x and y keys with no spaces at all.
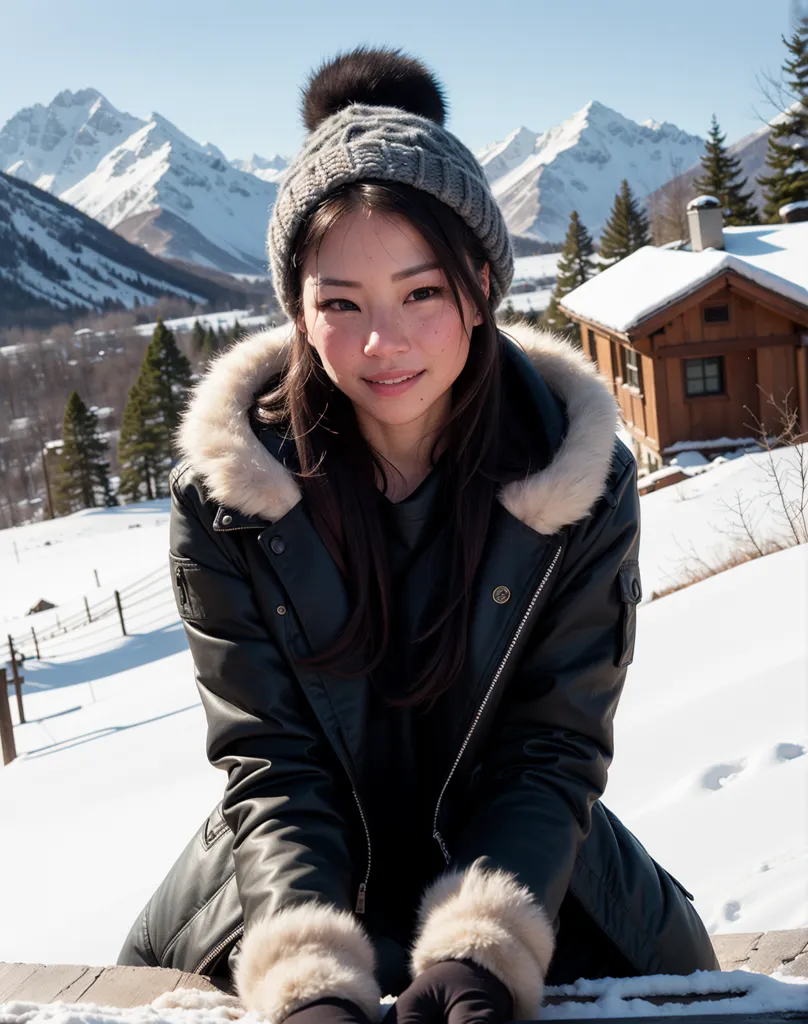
{"x":398,"y":276}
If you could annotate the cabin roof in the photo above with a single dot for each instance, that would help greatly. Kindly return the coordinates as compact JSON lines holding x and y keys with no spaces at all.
{"x":774,"y":256}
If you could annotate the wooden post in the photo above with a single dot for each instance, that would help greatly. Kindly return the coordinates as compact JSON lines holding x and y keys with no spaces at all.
{"x":97,"y":583}
{"x":36,"y":644}
{"x":47,"y":482}
{"x":120,"y":611}
{"x":17,"y":677}
{"x":6,"y":725}
{"x":87,"y":609}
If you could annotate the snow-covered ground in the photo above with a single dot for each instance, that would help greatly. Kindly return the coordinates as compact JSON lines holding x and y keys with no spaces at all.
{"x":111,"y":781}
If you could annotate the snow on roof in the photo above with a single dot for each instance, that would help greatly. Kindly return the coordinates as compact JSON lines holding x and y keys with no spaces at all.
{"x":774,"y":256}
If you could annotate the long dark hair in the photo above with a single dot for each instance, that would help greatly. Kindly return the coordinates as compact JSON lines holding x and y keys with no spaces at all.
{"x":338,"y":469}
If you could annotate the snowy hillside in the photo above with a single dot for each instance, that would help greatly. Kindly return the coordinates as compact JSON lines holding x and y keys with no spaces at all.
{"x":539,"y":179}
{"x":711,"y":766}
{"x":146,"y":180}
{"x":52,"y":257}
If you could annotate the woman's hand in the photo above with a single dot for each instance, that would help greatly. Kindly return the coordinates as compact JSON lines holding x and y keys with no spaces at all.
{"x":328,"y":1011}
{"x":453,"y":992}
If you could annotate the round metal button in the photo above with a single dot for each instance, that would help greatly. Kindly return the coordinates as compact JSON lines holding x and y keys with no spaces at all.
{"x":227,"y":520}
{"x":277,"y":545}
{"x":281,"y":609}
{"x":501,"y":595}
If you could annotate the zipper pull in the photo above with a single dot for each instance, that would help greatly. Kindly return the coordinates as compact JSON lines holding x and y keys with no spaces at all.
{"x":360,"y":899}
{"x":181,"y":585}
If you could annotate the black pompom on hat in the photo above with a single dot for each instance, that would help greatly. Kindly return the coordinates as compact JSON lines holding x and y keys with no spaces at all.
{"x":379,"y":114}
{"x":383,"y":78}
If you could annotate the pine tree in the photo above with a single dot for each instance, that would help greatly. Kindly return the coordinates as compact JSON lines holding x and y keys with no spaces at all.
{"x":574,"y":268}
{"x":626,"y":230}
{"x":197,"y":338}
{"x":787,"y":156}
{"x":722,"y":179}
{"x":151,"y":417}
{"x":82,"y":477}
{"x":210,"y":344}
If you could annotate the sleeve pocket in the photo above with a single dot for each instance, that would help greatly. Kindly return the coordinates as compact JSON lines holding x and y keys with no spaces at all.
{"x":631,"y":594}
{"x":184,"y":575}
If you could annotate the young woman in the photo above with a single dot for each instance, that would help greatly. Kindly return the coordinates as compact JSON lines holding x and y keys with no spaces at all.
{"x":404,"y":546}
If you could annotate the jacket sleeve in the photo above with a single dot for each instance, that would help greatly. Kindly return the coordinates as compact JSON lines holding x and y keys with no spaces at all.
{"x":546,"y":761}
{"x":285,"y":799}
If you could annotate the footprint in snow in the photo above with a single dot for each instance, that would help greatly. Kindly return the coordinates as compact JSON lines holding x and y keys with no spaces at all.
{"x":788,"y":751}
{"x":732,"y":910}
{"x":717,"y":776}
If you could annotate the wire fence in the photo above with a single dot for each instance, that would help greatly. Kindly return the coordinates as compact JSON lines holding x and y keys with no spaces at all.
{"x":150,"y":592}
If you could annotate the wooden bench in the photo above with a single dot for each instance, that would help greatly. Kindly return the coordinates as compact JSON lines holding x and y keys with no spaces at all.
{"x":761,"y":952}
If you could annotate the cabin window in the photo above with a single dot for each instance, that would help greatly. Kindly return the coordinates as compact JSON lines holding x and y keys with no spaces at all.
{"x":704,"y":376}
{"x":632,"y":372}
{"x":716,"y":314}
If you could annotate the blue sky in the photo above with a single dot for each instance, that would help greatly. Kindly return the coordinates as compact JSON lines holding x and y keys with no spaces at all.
{"x":230,"y":73}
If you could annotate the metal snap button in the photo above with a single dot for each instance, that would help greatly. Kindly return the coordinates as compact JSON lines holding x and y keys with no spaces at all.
{"x":281,"y":609}
{"x":227,"y":520}
{"x":501,"y":595}
{"x":277,"y":545}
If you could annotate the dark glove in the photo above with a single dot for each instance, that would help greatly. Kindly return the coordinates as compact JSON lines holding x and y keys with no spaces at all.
{"x":328,"y":1011}
{"x":453,"y":992}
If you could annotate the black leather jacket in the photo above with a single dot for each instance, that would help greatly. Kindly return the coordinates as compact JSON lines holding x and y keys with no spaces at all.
{"x":551,"y":637}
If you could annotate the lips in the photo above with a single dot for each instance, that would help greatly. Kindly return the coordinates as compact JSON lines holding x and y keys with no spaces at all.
{"x":393,"y":383}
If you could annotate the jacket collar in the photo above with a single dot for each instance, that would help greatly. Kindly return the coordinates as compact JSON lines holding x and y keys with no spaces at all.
{"x":216,"y":438}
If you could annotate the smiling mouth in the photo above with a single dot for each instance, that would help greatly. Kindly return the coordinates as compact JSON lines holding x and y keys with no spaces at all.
{"x":394,"y":380}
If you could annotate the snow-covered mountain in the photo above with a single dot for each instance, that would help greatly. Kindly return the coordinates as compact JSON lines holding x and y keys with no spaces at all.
{"x":539,"y":179}
{"x":146,"y":180}
{"x":269,"y":170}
{"x":55,"y":258}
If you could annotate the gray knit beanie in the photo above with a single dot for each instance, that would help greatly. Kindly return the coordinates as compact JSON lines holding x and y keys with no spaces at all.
{"x":379,"y":114}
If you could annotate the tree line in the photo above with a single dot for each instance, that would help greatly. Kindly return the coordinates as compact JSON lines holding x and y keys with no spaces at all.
{"x":150,"y":418}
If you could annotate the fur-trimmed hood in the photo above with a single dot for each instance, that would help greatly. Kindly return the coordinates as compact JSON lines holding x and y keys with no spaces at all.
{"x":216,"y":438}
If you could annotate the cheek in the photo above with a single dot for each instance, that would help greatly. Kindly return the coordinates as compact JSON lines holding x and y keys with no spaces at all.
{"x":336,"y":348}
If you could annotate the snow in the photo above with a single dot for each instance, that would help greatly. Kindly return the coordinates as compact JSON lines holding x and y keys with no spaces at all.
{"x":607,"y":998}
{"x":227,"y":320}
{"x":704,"y":202}
{"x":802,"y":204}
{"x":528,"y":268}
{"x":526,"y":302}
{"x":112,"y":780}
{"x":620,"y":298}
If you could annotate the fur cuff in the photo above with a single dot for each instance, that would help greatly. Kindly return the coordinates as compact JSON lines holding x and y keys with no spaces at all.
{"x":304,"y":953}
{"x":488,"y":917}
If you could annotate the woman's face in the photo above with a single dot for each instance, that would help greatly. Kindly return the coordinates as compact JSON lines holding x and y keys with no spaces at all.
{"x":382,"y":318}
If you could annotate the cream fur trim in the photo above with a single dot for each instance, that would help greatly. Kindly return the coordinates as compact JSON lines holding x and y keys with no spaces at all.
{"x":486,"y":916}
{"x":568,"y":488}
{"x":304,"y":953}
{"x":216,"y":438}
{"x":215,"y":433}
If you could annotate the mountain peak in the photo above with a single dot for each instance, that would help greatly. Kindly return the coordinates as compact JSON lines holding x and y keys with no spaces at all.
{"x":82,"y":98}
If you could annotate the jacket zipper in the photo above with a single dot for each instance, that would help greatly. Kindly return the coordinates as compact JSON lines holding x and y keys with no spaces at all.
{"x":362,"y":894}
{"x":211,"y":955}
{"x":500,"y":668}
{"x":180,"y":576}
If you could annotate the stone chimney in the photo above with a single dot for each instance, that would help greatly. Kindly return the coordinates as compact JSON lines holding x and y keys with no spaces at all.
{"x":706,"y":223}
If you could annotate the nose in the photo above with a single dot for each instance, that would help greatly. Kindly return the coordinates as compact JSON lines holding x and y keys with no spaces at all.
{"x":386,"y":340}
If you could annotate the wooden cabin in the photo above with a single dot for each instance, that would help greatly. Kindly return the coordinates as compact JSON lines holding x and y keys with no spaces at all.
{"x":694,"y":339}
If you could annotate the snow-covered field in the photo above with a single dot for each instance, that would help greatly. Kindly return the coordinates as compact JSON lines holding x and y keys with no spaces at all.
{"x":711,"y":766}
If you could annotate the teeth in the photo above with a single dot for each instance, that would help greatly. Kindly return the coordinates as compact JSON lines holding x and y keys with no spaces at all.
{"x":397,"y":380}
